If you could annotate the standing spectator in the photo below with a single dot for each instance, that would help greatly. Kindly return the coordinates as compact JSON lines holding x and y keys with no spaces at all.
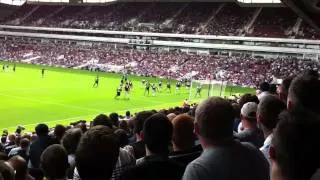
{"x":267,"y":116}
{"x":22,"y":150}
{"x":264,"y":90}
{"x":295,"y":148}
{"x":251,"y":133}
{"x":304,"y":93}
{"x":97,"y":154}
{"x":70,"y":142}
{"x":138,"y":148}
{"x":157,"y":132}
{"x":37,"y":147}
{"x":114,"y":118}
{"x":59,"y":131}
{"x":54,"y":162}
{"x":19,"y":164}
{"x":103,"y":120}
{"x":183,"y":140}
{"x":284,"y":88}
{"x":223,"y":157}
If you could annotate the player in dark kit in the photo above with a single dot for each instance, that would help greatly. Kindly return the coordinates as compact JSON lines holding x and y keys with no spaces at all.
{"x":42,"y":72}
{"x":96,"y":82}
{"x":118,"y":94}
{"x":130,"y":84}
{"x":198,"y":93}
{"x":178,"y":86}
{"x":147,"y":90}
{"x":3,"y":68}
{"x":169,"y":87}
{"x":14,"y":68}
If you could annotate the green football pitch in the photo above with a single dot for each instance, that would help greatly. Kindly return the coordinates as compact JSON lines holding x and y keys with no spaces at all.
{"x":66,"y":95}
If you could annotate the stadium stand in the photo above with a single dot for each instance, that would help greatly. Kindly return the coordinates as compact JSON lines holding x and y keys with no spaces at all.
{"x":184,"y":18}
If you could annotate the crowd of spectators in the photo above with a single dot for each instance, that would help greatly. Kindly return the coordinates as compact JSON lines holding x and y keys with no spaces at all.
{"x":245,"y":71}
{"x":271,"y":135}
{"x":177,"y":17}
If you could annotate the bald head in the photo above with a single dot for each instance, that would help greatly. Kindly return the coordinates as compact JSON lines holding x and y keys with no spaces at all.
{"x":19,"y":164}
{"x":6,"y":171}
{"x":214,"y":119}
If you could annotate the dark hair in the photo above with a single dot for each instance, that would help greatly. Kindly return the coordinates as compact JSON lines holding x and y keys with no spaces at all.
{"x":71,"y":140}
{"x":269,"y":109}
{"x":97,"y":153}
{"x":42,"y":130}
{"x":273,"y":89}
{"x":183,"y":136}
{"x":128,"y":113}
{"x":304,"y":92}
{"x":296,"y":144}
{"x":114,"y":118}
{"x":3,"y":139}
{"x":157,"y":131}
{"x":264,"y":86}
{"x":140,"y":118}
{"x":123,"y":125}
{"x":59,"y":131}
{"x":122,"y":137}
{"x":215,"y":117}
{"x":284,"y":88}
{"x":54,"y":162}
{"x":248,"y":98}
{"x":24,"y":143}
{"x":103,"y":120}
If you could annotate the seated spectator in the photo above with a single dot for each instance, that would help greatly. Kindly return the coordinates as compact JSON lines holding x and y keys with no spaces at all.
{"x":54,"y":162}
{"x":103,"y":120}
{"x":37,"y":147}
{"x":295,"y":148}
{"x":251,"y":133}
{"x":19,"y":164}
{"x":183,"y":140}
{"x":223,"y":157}
{"x":6,"y":171}
{"x":16,"y":144}
{"x":70,"y":142}
{"x":22,"y":150}
{"x":138,"y":148}
{"x":97,"y":154}
{"x":11,"y":143}
{"x":157,"y":131}
{"x":267,"y":116}
{"x":304,"y":93}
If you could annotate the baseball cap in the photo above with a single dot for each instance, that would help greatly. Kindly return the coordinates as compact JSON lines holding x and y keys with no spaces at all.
{"x":249,"y":110}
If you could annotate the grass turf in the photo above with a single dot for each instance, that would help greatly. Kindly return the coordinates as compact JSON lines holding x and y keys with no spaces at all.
{"x":67,"y":95}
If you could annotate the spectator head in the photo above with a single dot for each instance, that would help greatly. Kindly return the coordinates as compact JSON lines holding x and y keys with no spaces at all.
{"x":97,"y":153}
{"x":128,"y":114}
{"x":17,"y":140}
{"x":157,"y":131}
{"x":71,"y":140}
{"x":267,"y":113}
{"x":273,"y":89}
{"x":102,"y":120}
{"x":82,"y":126}
{"x":249,"y":112}
{"x":42,"y":130}
{"x":3,"y":139}
{"x":122,"y":137}
{"x":171,"y":116}
{"x":12,"y":138}
{"x":284,"y":88}
{"x":114,"y":118}
{"x":304,"y":93}
{"x":264,"y":87}
{"x":183,"y":137}
{"x":59,"y":131}
{"x":140,"y":118}
{"x":6,"y":171}
{"x":248,"y":98}
{"x":295,"y":145}
{"x":19,"y":164}
{"x":54,"y":162}
{"x":123,"y":125}
{"x":24,"y":143}
{"x":214,"y":120}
